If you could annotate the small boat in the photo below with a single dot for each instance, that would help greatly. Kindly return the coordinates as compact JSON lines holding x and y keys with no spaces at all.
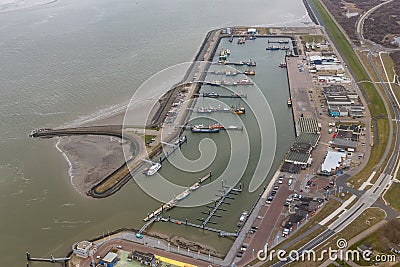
{"x":231,"y":39}
{"x":242,"y":218}
{"x":228,"y":51}
{"x":204,"y":110}
{"x":215,"y":83}
{"x":238,"y":110}
{"x":153,"y":169}
{"x":212,"y":94}
{"x":249,"y":72}
{"x":251,"y":63}
{"x":272,"y":47}
{"x":289,"y":102}
{"x":241,"y":40}
{"x":239,"y":63}
{"x":182,"y":195}
{"x":244,"y":81}
{"x":284,"y":48}
{"x":236,"y":95}
{"x":283,"y":42}
{"x":195,"y":186}
{"x":283,"y":65}
{"x":232,"y":127}
{"x":217,"y":126}
{"x":231,"y":73}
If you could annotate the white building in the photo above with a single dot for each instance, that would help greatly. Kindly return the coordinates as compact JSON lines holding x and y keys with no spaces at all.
{"x":82,"y":248}
{"x":332,"y":162}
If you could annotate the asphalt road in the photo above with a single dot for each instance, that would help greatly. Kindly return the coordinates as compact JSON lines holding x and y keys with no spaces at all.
{"x":369,"y":197}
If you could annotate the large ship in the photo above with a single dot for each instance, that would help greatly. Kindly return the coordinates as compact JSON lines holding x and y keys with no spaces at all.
{"x":204,"y":129}
{"x":242,"y":218}
{"x":153,"y":169}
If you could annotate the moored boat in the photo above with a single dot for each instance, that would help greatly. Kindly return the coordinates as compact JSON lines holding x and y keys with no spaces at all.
{"x":289,"y":102}
{"x":153,"y":169}
{"x":272,"y":47}
{"x":242,"y":218}
{"x":203,"y":129}
{"x":249,"y":72}
{"x":244,"y":81}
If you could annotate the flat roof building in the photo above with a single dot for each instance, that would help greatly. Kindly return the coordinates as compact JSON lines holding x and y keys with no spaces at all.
{"x":343,"y":143}
{"x":110,"y":260}
{"x":332,"y":162}
{"x":82,"y":248}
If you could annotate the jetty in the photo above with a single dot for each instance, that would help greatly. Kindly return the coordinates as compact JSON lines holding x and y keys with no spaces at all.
{"x":50,"y":260}
{"x":221,"y":233}
{"x":172,"y":203}
{"x":214,"y":95}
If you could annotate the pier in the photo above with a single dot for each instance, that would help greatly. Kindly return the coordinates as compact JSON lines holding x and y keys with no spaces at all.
{"x":226,"y":191}
{"x":222,"y":96}
{"x":50,"y":260}
{"x":172,"y":203}
{"x":175,"y":146}
{"x":198,"y":226}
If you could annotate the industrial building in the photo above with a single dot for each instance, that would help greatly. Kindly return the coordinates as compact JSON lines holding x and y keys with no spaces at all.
{"x":345,"y":144}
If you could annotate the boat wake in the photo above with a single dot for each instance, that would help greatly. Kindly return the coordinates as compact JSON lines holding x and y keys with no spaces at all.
{"x":100,"y":114}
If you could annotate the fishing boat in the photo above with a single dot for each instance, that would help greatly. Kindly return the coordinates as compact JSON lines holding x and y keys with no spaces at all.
{"x":251,"y":63}
{"x":249,"y":72}
{"x":238,"y":110}
{"x":242,"y":218}
{"x":153,"y":169}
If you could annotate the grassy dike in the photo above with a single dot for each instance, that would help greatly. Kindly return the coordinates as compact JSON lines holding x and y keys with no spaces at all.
{"x":375,"y":103}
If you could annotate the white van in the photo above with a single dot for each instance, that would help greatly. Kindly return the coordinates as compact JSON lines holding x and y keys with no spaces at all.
{"x":290,"y":182}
